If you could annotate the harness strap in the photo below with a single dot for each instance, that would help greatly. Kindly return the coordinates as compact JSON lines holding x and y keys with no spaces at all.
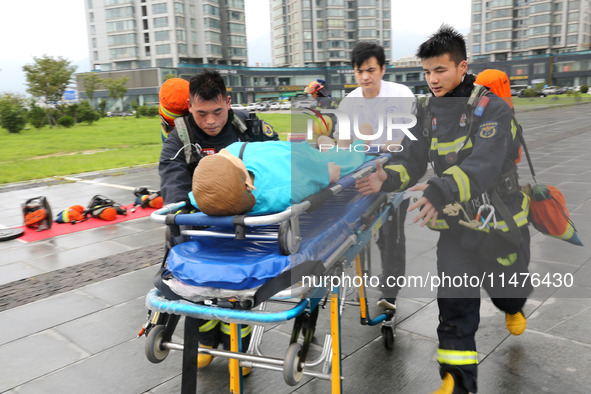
{"x":500,"y":206}
{"x":241,"y":154}
{"x":182,"y":129}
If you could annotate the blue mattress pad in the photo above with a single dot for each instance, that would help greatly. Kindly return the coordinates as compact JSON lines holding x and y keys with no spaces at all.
{"x":229,"y":263}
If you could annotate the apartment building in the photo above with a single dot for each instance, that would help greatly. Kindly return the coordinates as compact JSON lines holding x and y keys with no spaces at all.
{"x":317,"y":33}
{"x":513,"y":29}
{"x":137,"y":34}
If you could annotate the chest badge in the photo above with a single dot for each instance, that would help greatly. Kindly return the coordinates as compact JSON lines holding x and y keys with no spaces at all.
{"x":434,"y":124}
{"x":463,"y":120}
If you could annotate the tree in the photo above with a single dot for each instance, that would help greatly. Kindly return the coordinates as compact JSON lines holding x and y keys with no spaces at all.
{"x":116,"y":88}
{"x":47,"y":80}
{"x":13,"y":115}
{"x":91,"y":83}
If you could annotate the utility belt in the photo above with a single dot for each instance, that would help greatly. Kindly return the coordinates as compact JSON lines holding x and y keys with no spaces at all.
{"x":507,"y":184}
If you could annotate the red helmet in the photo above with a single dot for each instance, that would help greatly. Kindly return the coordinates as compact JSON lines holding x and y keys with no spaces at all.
{"x":313,"y":87}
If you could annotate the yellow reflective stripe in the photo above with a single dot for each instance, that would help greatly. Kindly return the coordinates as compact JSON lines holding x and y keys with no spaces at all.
{"x":461,"y":180}
{"x":443,"y":148}
{"x":567,"y":234}
{"x":520,"y":217}
{"x":457,"y":357}
{"x":163,"y":133}
{"x":225,"y":328}
{"x":440,"y":224}
{"x":404,"y":177}
{"x":507,"y":260}
{"x":210,"y":325}
{"x":513,"y":128}
{"x":169,"y":113}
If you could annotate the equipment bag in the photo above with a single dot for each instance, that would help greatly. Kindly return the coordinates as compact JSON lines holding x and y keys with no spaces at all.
{"x":74,"y":214}
{"x":547,"y":209}
{"x":37,"y":213}
{"x":146,"y":198}
{"x":102,"y":207}
{"x":549,"y":215}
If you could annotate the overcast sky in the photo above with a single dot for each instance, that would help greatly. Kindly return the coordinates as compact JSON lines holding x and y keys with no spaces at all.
{"x":58,"y":28}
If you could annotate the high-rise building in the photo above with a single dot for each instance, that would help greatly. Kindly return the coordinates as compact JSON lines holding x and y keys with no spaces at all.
{"x":511,"y":29}
{"x":322,"y":32}
{"x":130,"y":34}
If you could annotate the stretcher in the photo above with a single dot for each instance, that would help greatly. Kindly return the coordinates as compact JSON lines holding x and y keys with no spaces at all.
{"x":239,"y":264}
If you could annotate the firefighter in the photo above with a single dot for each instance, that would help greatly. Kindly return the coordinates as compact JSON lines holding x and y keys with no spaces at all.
{"x":209,"y":126}
{"x":472,"y":145}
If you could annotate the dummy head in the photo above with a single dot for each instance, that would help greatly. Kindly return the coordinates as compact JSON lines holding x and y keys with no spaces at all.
{"x":222,"y":186}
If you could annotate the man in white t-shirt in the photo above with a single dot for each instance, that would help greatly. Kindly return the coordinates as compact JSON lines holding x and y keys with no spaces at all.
{"x":374,"y":102}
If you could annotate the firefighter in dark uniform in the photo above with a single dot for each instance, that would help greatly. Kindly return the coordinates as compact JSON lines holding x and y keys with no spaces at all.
{"x":321,"y":93}
{"x":210,"y":126}
{"x":472,"y":145}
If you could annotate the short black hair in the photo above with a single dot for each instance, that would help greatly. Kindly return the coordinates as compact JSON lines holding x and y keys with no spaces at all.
{"x":364,"y":50}
{"x":445,"y":40}
{"x":207,"y":85}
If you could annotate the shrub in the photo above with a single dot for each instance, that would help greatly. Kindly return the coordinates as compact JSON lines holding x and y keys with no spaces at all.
{"x":86,"y":114}
{"x":584,"y":89}
{"x":148,"y":111}
{"x":528,"y":93}
{"x":37,"y":117}
{"x":13,"y":115}
{"x":66,"y":121}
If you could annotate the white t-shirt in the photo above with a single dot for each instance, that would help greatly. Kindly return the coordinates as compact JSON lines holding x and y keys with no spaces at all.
{"x":393,"y":98}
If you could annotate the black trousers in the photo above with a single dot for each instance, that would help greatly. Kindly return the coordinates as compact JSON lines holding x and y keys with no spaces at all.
{"x":392,"y":246}
{"x":459,"y":305}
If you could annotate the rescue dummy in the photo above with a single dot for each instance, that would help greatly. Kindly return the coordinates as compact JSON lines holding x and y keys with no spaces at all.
{"x":270,"y":177}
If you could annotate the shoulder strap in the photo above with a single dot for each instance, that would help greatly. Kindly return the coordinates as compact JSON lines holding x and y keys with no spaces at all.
{"x":524,"y":145}
{"x":182,"y":129}
{"x":239,"y":125}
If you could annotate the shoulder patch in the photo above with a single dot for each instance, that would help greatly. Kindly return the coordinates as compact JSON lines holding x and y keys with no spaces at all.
{"x":268,"y":129}
{"x":488,"y":129}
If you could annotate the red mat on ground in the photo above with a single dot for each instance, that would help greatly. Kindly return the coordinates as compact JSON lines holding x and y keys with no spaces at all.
{"x":67,"y":228}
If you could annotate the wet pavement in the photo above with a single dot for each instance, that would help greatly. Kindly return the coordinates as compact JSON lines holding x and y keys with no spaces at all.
{"x":77,"y":300}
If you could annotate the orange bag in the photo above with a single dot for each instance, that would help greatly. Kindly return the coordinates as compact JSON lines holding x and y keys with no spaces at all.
{"x":498,"y":83}
{"x":549,"y":215}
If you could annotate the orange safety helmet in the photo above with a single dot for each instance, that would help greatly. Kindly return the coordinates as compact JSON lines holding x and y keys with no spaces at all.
{"x":173,"y":95}
{"x":313,"y":87}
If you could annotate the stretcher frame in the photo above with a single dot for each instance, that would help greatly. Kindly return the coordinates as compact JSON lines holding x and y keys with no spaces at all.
{"x":353,"y":252}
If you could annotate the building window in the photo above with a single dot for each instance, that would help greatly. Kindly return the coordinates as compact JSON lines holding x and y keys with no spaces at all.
{"x":164,"y":62}
{"x":161,"y":35}
{"x":159,"y":8}
{"x":120,"y":26}
{"x":161,"y":22}
{"x":163,"y":49}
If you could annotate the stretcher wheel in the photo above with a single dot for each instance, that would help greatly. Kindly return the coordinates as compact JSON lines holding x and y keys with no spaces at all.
{"x":154,"y":351}
{"x":388,"y":336}
{"x":288,"y":243}
{"x":291,"y":368}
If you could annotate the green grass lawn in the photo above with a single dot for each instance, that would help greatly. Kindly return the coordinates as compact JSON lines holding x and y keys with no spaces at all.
{"x":108,"y":143}
{"x":550,"y":100}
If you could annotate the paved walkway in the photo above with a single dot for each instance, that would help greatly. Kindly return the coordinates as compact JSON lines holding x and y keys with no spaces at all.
{"x":80,"y":336}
